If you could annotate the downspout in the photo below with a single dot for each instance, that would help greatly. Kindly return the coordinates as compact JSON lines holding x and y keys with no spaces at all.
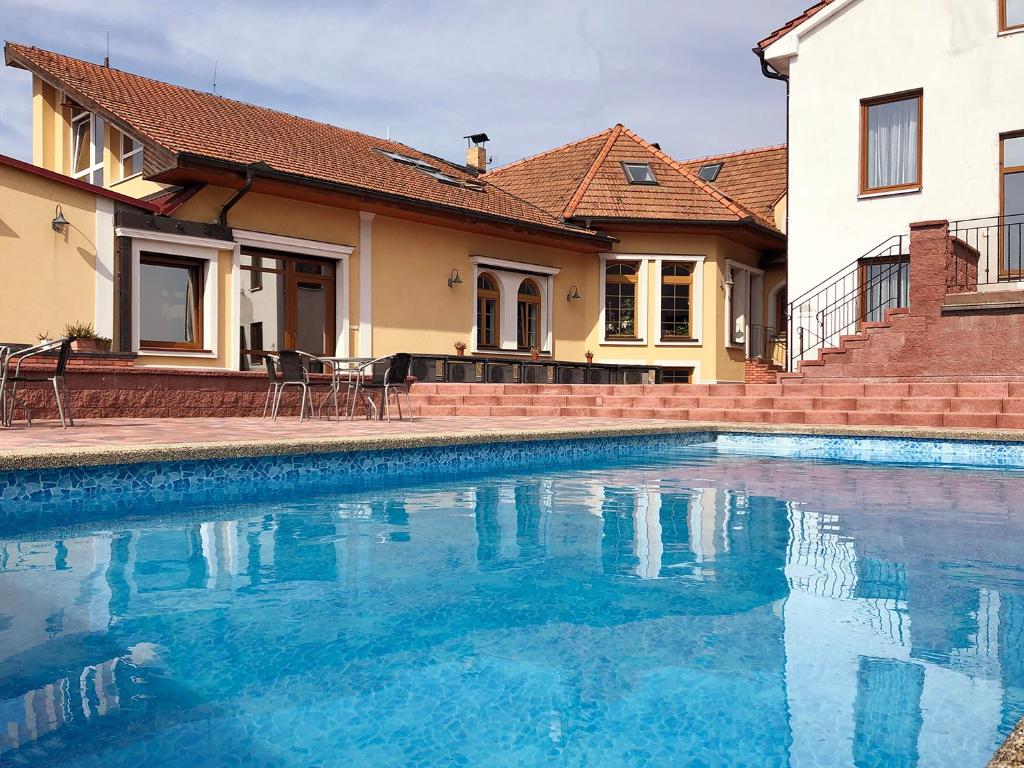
{"x":773,"y":74}
{"x":250,"y":176}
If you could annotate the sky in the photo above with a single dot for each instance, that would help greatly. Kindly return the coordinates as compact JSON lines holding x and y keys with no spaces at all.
{"x":532,"y":74}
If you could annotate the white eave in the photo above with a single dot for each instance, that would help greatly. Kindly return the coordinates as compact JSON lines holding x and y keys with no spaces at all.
{"x":780,"y":53}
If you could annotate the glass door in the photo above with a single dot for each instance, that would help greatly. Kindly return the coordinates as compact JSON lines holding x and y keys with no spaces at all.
{"x":1011,"y":242}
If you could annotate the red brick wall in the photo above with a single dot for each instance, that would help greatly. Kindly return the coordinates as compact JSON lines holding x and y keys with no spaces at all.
{"x":760,"y":371}
{"x":928,"y":342}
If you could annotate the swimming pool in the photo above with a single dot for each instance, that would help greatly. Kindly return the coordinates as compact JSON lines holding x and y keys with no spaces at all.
{"x":682,"y":606}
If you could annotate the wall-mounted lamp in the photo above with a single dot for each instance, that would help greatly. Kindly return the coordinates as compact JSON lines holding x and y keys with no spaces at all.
{"x":729,"y":282}
{"x":453,"y":278}
{"x":59,"y":223}
{"x":574,"y":294}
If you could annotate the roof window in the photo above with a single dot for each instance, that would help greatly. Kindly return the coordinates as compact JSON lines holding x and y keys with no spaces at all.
{"x":639,"y":173}
{"x":710,"y":171}
{"x":408,"y":160}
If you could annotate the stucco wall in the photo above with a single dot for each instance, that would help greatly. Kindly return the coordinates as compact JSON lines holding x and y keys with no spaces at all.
{"x":952,"y":50}
{"x":48,"y":278}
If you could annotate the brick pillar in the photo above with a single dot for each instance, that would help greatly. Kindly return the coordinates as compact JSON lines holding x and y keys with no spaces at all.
{"x":931,"y":257}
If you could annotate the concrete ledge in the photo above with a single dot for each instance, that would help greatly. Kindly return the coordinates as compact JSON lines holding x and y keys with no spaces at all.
{"x":983,"y":300}
{"x":91,"y":456}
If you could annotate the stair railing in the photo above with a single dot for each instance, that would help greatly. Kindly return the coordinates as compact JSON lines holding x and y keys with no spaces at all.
{"x":860,"y":292}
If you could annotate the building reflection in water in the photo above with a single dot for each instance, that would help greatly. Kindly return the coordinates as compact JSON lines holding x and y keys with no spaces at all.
{"x":864,"y":621}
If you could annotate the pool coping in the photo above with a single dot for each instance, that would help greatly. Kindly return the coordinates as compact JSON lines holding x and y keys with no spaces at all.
{"x":1011,"y":753}
{"x":93,"y":456}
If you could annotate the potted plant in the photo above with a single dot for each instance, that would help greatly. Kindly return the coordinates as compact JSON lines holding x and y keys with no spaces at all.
{"x":590,"y":357}
{"x":85,"y":339}
{"x":460,"y":348}
{"x":535,"y":353}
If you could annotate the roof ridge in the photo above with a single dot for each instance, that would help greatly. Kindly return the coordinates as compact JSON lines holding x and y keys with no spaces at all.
{"x":727,"y":202}
{"x":22,"y":47}
{"x":737,"y":153}
{"x":588,"y":178}
{"x":530,"y":158}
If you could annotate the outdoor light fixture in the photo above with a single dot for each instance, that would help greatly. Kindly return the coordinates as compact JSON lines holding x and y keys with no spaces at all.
{"x":729,"y":282}
{"x":453,"y":278}
{"x":59,"y":222}
{"x":574,"y":294}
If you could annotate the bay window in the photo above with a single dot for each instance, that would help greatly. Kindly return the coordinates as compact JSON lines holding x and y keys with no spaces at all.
{"x":891,"y":142}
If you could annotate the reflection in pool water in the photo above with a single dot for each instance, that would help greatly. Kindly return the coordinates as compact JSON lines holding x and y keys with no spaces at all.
{"x":685,"y":609}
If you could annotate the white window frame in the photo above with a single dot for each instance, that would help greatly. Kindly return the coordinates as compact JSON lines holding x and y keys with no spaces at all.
{"x":122,"y":155}
{"x":755,"y":303}
{"x":696,"y":300}
{"x":510,"y":274}
{"x":97,"y":125}
{"x":201,"y":249}
{"x":642,"y":261}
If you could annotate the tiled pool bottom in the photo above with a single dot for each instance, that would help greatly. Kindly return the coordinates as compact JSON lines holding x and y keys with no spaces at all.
{"x":678,"y":607}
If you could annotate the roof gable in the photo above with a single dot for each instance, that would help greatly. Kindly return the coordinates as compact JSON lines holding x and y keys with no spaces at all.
{"x":586,"y":180}
{"x":188,"y":122}
{"x":792,"y":24}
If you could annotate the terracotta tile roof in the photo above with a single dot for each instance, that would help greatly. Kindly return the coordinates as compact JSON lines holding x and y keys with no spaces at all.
{"x":792,"y":24}
{"x":585,"y":179}
{"x":755,"y":177}
{"x":184,"y":121}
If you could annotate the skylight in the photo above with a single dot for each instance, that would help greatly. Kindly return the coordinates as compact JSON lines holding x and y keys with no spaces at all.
{"x":407,"y":160}
{"x":639,"y":173}
{"x":710,"y":171}
{"x":432,"y":170}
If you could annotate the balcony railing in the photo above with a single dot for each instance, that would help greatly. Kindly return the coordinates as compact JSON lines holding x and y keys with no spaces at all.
{"x":860,"y":292}
{"x":992,"y":252}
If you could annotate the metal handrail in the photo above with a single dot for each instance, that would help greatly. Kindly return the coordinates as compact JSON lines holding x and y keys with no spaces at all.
{"x":838,"y":305}
{"x":996,"y":253}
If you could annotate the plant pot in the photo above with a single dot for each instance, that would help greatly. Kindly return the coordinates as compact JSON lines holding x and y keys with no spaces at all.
{"x":590,"y":359}
{"x":535,"y":356}
{"x":90,"y":345}
{"x":460,"y":352}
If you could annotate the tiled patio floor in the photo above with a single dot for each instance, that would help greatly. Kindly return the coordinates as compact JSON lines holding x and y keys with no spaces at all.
{"x":96,"y":433}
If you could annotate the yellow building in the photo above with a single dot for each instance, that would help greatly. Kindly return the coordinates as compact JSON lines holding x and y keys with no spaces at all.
{"x":256,"y":231}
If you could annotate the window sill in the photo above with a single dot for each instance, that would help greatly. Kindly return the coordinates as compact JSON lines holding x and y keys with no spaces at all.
{"x":175,"y":352}
{"x":623,"y":343}
{"x":1011,"y":32}
{"x":126,"y":178}
{"x":687,"y":343}
{"x":889,"y":193}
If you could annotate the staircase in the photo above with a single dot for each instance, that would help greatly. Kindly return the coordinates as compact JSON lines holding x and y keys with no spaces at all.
{"x":974,"y":405}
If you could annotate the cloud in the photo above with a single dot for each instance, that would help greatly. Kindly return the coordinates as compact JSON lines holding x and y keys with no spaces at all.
{"x":533,"y":73}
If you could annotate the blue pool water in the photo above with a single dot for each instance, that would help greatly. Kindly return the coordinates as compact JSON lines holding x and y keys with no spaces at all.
{"x":683,"y":608}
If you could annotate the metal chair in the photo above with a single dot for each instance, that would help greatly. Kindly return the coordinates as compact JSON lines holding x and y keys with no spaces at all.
{"x":275,"y":383}
{"x":394,"y":381}
{"x":56,"y":379}
{"x":294,"y":373}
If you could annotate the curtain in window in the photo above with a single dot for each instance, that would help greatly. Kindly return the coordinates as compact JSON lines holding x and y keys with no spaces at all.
{"x":888,"y":287}
{"x":892,"y":144}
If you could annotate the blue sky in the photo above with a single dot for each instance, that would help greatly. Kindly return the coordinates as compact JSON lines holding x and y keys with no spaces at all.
{"x":531,"y":73}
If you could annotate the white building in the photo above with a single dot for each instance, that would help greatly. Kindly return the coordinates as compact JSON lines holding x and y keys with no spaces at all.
{"x":900,"y":111}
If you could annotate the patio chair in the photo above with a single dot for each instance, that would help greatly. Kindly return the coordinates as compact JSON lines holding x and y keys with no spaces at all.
{"x":394,"y":381}
{"x":54,"y":378}
{"x":294,"y":373}
{"x":275,"y":383}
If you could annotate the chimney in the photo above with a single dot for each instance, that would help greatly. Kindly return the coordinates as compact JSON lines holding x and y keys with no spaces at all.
{"x":476,"y":152}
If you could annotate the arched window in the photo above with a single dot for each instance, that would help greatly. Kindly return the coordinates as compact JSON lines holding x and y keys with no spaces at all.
{"x":528,"y":312}
{"x":620,"y":297}
{"x":488,"y":303}
{"x":676,"y":302}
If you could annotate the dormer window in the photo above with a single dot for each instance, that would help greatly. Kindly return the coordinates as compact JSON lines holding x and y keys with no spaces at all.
{"x":131,"y":156}
{"x":87,"y":138}
{"x":639,"y":173}
{"x":709,"y":172}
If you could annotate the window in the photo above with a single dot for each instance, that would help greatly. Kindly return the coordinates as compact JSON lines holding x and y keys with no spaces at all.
{"x":710,"y":172}
{"x":676,"y":375}
{"x":170,"y":301}
{"x":639,"y":173}
{"x":1011,"y":262}
{"x":891,"y":142}
{"x":1011,"y":14}
{"x":676,"y":303}
{"x":885,"y":285}
{"x":292,"y":299}
{"x":131,"y":156}
{"x":255,"y":341}
{"x":528,"y":311}
{"x":87,"y":131}
{"x":620,"y":300}
{"x":488,"y":303}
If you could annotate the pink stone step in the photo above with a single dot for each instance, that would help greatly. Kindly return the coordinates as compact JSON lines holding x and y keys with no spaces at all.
{"x":1013,"y":405}
{"x":434,"y":410}
{"x":983,"y":389}
{"x":834,"y":403}
{"x":886,"y":390}
{"x":907,"y":419}
{"x":976,"y":405}
{"x":790,"y":403}
{"x":717,"y":402}
{"x":1010,"y":421}
{"x":747,"y":416}
{"x":933,"y":390}
{"x":879,"y":404}
{"x":786,"y":417}
{"x":707,"y":414}
{"x":970,"y":420}
{"x":870,"y":418}
{"x":520,"y":410}
{"x":826,"y":417}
